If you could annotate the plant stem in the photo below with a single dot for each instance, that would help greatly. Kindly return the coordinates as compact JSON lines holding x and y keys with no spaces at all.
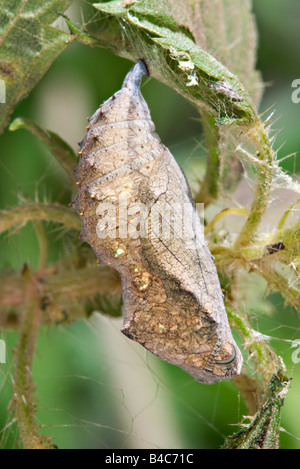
{"x":263,"y":430}
{"x":23,"y":399}
{"x":265,"y":157}
{"x":20,"y":215}
{"x":209,"y":187}
{"x":80,"y":286}
{"x":267,"y":362}
{"x":43,"y":242}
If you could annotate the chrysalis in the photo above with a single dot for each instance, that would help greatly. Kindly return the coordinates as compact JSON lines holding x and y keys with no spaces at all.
{"x":139,"y":217}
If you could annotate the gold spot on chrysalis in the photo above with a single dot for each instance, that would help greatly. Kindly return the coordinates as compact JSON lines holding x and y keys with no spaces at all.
{"x":143,"y":282}
{"x":119,"y":250}
{"x":142,"y":286}
{"x":161,"y":328}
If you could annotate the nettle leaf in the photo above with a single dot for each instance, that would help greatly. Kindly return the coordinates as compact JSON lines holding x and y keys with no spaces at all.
{"x":227,"y":30}
{"x":28,"y":46}
{"x":263,"y":429}
{"x":174,"y":53}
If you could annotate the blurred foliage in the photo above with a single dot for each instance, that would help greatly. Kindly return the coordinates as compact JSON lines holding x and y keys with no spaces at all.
{"x":81,"y":400}
{"x":28,"y":47}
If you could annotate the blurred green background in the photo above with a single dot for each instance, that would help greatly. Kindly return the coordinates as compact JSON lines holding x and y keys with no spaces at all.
{"x":95,"y":388}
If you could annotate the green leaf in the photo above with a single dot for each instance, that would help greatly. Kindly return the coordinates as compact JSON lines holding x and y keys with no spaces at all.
{"x":28,"y":46}
{"x":227,"y":30}
{"x":263,"y":430}
{"x":150,"y":32}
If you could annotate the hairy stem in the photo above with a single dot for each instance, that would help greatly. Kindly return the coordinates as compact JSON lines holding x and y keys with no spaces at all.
{"x":262,"y":431}
{"x":18,"y":216}
{"x":265,"y":157}
{"x":43,"y":242}
{"x":267,"y":362}
{"x":81,"y":287}
{"x":23,"y":399}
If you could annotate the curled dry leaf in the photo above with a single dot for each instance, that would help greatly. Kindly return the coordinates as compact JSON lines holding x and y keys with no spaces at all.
{"x":139,"y":217}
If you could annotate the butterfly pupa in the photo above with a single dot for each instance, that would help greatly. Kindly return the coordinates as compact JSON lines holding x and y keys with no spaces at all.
{"x":130,"y":184}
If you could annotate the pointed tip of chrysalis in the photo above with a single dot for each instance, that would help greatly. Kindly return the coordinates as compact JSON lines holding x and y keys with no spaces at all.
{"x":143,"y":67}
{"x":134,"y":76}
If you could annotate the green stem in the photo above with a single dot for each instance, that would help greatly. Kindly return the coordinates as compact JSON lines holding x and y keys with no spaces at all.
{"x":265,"y":158}
{"x":43,"y":242}
{"x":262,"y":432}
{"x":20,"y":215}
{"x":280,"y":284}
{"x":82,"y":286}
{"x":266,"y":360}
{"x":23,"y":398}
{"x":209,"y":186}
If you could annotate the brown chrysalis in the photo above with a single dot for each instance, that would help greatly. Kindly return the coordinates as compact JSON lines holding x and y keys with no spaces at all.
{"x":138,"y":215}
